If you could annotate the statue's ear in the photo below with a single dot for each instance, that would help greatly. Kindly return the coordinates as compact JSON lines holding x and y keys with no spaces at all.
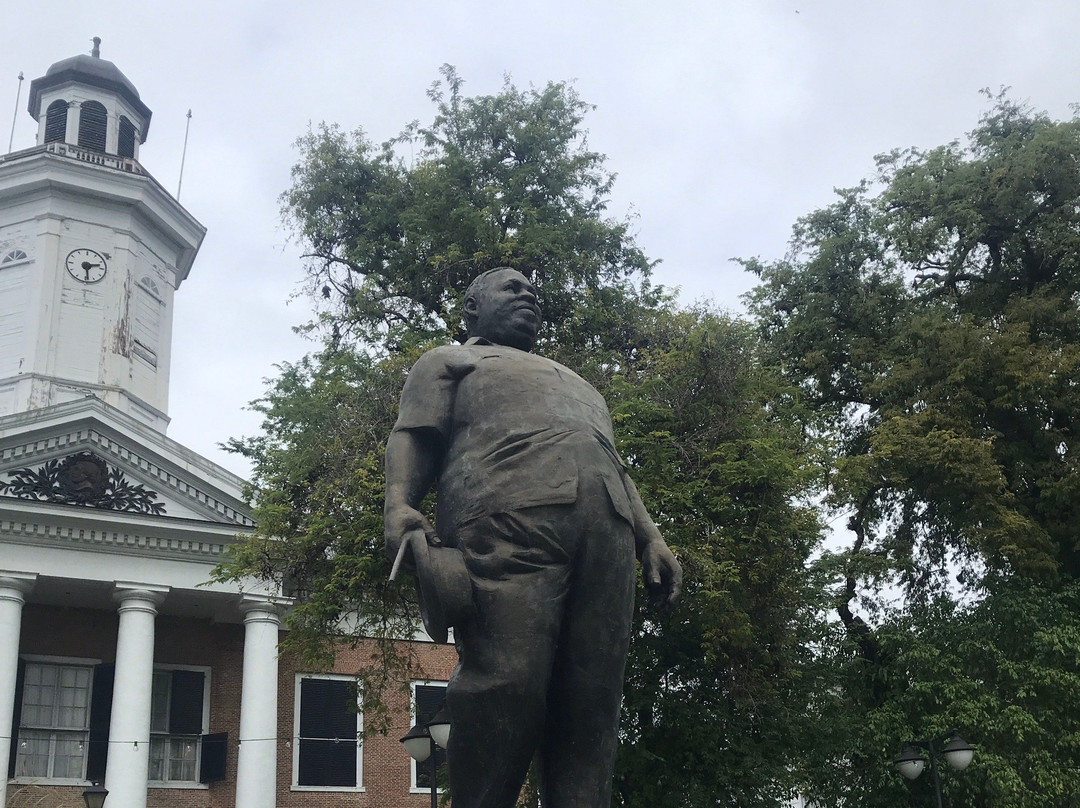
{"x":471,"y":306}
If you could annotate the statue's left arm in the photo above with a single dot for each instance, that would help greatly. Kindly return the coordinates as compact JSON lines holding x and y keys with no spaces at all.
{"x":661,"y":570}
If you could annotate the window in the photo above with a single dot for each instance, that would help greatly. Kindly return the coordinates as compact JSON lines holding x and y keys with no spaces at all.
{"x":14,"y":257}
{"x":327,"y":754}
{"x":177,"y":722}
{"x":62,"y":711}
{"x":146,"y":305}
{"x":92,"y":125}
{"x":428,"y":698}
{"x":54,"y":721}
{"x":56,"y":122}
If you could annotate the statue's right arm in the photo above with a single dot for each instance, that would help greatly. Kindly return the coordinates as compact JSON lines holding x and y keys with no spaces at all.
{"x":412,"y":463}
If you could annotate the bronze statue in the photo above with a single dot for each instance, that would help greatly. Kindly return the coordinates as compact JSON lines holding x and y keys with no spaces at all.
{"x":534,"y":499}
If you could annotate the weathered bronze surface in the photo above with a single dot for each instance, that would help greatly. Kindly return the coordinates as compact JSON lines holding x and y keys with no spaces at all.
{"x":533,"y":495}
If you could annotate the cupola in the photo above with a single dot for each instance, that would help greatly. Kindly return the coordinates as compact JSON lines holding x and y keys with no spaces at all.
{"x":86,"y":101}
{"x":92,"y":249}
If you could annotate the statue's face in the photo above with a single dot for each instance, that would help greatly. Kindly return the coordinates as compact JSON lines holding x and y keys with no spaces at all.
{"x":506,"y":310}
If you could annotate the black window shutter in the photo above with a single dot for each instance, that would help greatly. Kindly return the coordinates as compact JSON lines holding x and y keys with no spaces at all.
{"x":327,"y":763}
{"x":429,"y":700}
{"x":328,"y":744}
{"x":16,"y":717}
{"x":326,"y":709}
{"x":186,"y":702}
{"x":215,"y":747}
{"x":101,"y":696}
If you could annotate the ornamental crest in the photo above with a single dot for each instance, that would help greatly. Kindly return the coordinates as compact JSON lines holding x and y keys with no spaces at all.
{"x":82,"y":479}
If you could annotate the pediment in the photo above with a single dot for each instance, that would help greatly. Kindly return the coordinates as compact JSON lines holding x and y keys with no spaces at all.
{"x":88,"y":455}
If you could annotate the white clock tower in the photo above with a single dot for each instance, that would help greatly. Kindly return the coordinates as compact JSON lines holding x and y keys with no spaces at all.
{"x":92,"y":249}
{"x":109,"y":530}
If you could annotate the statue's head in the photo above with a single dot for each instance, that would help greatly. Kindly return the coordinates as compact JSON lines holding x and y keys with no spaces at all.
{"x":500,"y":306}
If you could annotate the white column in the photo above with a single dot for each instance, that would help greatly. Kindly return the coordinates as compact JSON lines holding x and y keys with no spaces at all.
{"x":13,"y":586}
{"x":71,"y":132}
{"x":129,"y":724}
{"x":256,"y":766}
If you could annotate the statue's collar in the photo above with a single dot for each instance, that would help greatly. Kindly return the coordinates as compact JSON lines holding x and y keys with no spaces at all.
{"x":486,"y":341}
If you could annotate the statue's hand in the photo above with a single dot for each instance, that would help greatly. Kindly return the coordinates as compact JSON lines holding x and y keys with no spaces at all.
{"x":401,"y":521}
{"x":663,"y":575}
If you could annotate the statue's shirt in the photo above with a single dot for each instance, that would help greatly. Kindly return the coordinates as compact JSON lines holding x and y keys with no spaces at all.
{"x":517,"y":430}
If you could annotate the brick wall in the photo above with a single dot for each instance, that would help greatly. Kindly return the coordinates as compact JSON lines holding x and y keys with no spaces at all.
{"x":387,"y":772}
{"x":91,"y":634}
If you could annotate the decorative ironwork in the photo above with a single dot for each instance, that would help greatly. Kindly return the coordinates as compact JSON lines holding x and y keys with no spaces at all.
{"x":82,"y":479}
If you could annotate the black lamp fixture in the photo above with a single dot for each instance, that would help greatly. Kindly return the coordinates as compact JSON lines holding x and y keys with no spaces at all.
{"x":956,"y":751}
{"x":95,"y":795}
{"x":421,"y":740}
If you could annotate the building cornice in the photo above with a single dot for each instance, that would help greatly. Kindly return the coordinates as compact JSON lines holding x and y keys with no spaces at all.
{"x":72,"y":526}
{"x":173,"y":471}
{"x":60,"y":167}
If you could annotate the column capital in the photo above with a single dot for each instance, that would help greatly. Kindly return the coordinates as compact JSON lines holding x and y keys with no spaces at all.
{"x":139,"y":596}
{"x":14,"y":585}
{"x":263,"y":608}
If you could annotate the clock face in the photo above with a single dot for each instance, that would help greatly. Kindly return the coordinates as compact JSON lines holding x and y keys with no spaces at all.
{"x":86,"y":266}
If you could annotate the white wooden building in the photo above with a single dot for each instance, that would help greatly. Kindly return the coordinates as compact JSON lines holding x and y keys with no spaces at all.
{"x":119,"y":662}
{"x":99,"y":510}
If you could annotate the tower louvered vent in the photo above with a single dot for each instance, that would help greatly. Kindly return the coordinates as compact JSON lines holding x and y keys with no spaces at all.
{"x":92,"y":125}
{"x":56,"y":122}
{"x":125,"y":145}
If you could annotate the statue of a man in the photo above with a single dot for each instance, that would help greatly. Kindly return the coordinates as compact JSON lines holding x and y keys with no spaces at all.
{"x":535,"y":497}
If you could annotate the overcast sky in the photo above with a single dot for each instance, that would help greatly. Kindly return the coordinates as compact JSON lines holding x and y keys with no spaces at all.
{"x":724,"y":120}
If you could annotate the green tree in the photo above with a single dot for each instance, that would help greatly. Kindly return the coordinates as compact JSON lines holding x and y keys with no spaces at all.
{"x":496,"y":180}
{"x":1002,"y":671}
{"x":716,"y":694}
{"x":931,"y":318}
{"x":936,"y":324}
{"x":712,"y":438}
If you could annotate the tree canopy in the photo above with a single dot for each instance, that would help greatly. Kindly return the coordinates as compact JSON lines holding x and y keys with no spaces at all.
{"x":930,"y":316}
{"x":936,"y":322}
{"x":714,"y":440}
{"x":496,"y":180}
{"x":910,"y":365}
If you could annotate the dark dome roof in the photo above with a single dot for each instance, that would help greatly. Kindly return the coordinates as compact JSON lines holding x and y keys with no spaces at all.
{"x":93,"y":71}
{"x":93,"y":67}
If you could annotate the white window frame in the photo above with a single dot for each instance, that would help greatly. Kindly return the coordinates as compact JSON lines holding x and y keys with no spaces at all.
{"x":8,"y":259}
{"x":194,"y":784}
{"x":359,"y":787}
{"x":71,"y":662}
{"x":413,"y":787}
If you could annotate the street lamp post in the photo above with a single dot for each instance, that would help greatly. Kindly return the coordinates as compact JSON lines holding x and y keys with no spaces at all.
{"x":95,"y":795}
{"x":421,"y":741}
{"x":956,"y":751}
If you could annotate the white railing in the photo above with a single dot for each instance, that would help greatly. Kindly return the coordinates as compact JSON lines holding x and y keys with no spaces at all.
{"x":128,"y":164}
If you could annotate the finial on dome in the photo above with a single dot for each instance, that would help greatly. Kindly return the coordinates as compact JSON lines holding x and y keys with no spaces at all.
{"x":96,"y":52}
